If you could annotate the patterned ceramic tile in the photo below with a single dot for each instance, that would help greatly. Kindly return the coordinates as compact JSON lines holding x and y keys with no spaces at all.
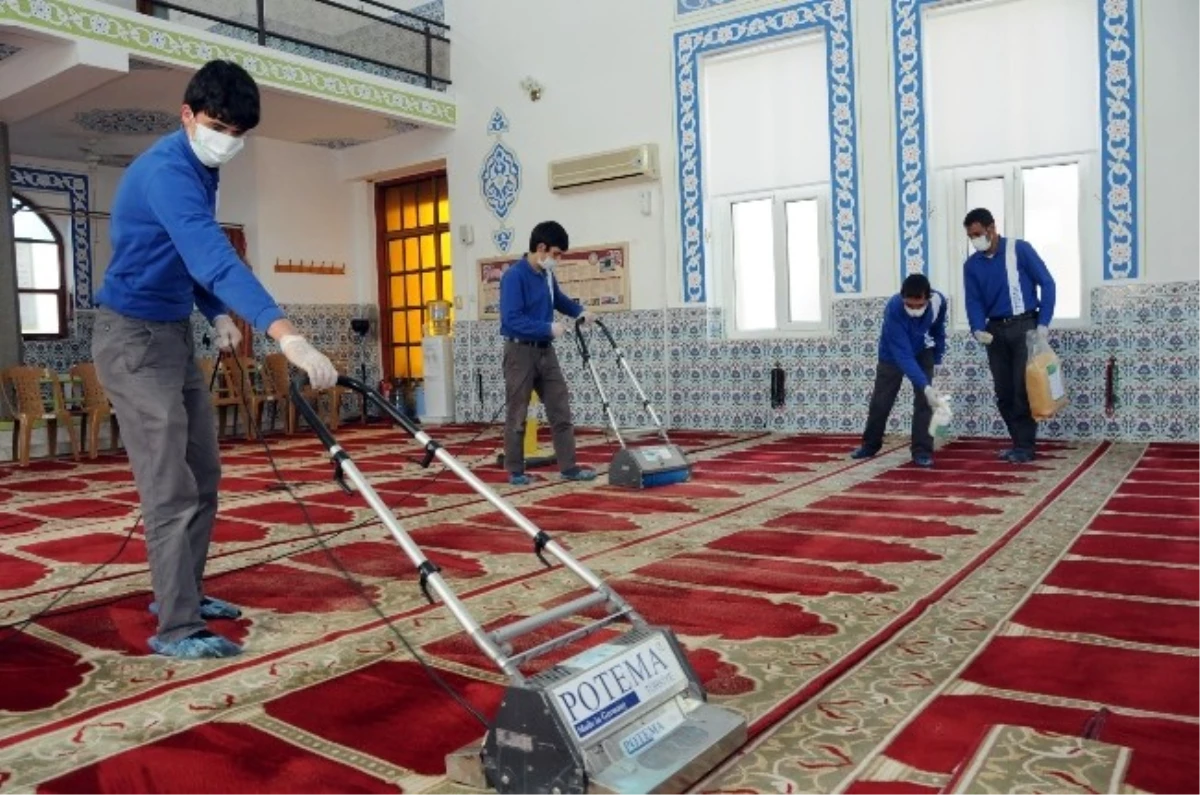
{"x":697,"y":379}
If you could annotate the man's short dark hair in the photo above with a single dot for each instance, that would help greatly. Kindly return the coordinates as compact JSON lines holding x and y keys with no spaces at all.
{"x":549,"y":234}
{"x":979,"y":216}
{"x":226,"y":92}
{"x":916,"y":285}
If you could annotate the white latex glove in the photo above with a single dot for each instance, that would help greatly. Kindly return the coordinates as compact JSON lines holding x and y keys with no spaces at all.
{"x":226,"y":334}
{"x":983,"y":338}
{"x":933,"y":396}
{"x":1044,"y":333}
{"x":321,"y":372}
{"x":557,"y":329}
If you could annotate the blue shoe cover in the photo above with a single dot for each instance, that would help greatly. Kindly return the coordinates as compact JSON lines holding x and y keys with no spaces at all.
{"x":210,"y":608}
{"x":202,"y":645}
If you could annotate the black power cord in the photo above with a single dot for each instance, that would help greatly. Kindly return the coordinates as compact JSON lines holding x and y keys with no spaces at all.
{"x":319,"y":541}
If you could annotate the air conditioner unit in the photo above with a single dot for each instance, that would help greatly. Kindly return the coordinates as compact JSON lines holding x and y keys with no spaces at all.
{"x":634,"y":163}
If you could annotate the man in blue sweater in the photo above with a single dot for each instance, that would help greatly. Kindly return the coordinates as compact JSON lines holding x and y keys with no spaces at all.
{"x":529,"y":294}
{"x":912,"y":342}
{"x":1009,"y":292}
{"x":169,"y":255}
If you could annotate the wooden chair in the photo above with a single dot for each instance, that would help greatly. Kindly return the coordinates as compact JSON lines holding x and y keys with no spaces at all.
{"x":325,"y":401}
{"x":275,"y":386}
{"x":248,"y":393}
{"x":31,"y":411}
{"x":224,"y":392}
{"x":95,"y":408}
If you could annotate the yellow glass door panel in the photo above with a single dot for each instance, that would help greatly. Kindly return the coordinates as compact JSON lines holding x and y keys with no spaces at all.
{"x":429,"y":251}
{"x":400,"y":361}
{"x":408,"y":202}
{"x":426,"y":204}
{"x":415,"y":318}
{"x":391,"y":210}
{"x":412,"y":254}
{"x":399,"y":327}
{"x":418,"y":362}
{"x":395,"y":256}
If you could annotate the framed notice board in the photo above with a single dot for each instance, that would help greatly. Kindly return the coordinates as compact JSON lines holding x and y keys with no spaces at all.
{"x":596,"y":276}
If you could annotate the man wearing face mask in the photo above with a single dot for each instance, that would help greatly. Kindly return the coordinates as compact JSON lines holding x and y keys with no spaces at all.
{"x":169,"y":255}
{"x":529,"y":294}
{"x":912,"y":342}
{"x":1009,"y":292}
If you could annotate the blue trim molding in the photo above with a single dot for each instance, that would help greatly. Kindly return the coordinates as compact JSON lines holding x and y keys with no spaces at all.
{"x":77,"y":189}
{"x":833,"y":18}
{"x":1118,"y":135}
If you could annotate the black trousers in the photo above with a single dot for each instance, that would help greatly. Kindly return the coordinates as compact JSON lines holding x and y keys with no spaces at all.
{"x":1007,"y":357}
{"x":888,"y":378}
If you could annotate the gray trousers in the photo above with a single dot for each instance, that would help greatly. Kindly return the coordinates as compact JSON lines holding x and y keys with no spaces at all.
{"x":888,"y":378}
{"x":527,"y":370}
{"x":163,"y":404}
{"x":1007,"y":357}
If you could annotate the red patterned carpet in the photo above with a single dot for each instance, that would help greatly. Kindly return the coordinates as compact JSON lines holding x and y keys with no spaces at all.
{"x":870,"y":619}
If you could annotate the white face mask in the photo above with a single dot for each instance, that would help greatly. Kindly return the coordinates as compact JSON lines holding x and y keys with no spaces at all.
{"x":981,"y":243}
{"x":914,"y":312}
{"x":213,"y":148}
{"x":549,"y":263}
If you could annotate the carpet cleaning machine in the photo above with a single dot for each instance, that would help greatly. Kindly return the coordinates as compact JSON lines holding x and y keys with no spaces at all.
{"x":626,"y":715}
{"x":634,"y":467}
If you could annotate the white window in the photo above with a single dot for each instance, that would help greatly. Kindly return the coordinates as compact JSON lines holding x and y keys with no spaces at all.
{"x":1012,"y":104}
{"x":1040,"y":202}
{"x":41,"y":283}
{"x":766,"y":180}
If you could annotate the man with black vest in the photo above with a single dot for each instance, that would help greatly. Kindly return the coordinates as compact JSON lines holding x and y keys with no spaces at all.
{"x":529,"y":294}
{"x":1009,"y":292}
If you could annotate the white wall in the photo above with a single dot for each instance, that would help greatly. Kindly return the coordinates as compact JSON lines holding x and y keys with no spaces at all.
{"x":293,"y":206}
{"x":608,"y":84}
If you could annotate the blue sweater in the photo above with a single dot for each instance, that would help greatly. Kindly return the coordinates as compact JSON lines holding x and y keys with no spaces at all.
{"x":904,"y":338}
{"x":526,"y":310}
{"x":990,"y":287}
{"x":168,"y":251}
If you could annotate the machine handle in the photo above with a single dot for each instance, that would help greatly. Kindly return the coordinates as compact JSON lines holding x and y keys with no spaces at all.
{"x":604,"y":330}
{"x":580,"y":341}
{"x":353,"y":384}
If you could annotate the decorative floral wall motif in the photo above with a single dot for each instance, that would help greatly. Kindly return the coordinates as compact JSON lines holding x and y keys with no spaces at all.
{"x":127,"y":121}
{"x":25,"y":179}
{"x":147,"y":35}
{"x":500,"y":180}
{"x":1117,"y":125}
{"x":335,"y":143}
{"x":830,"y":16}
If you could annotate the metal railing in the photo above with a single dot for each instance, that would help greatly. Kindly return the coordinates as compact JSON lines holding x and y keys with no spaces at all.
{"x":366,"y":35}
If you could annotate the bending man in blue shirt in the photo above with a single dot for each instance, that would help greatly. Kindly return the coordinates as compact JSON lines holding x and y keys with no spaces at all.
{"x":912,"y":342}
{"x":529,"y":294}
{"x":1009,"y":292}
{"x":168,"y":255}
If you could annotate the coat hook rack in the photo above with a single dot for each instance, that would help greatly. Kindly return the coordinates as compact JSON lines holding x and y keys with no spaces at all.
{"x":311,"y":267}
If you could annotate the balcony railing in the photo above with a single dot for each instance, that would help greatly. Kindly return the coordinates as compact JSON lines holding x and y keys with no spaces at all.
{"x":365,"y":35}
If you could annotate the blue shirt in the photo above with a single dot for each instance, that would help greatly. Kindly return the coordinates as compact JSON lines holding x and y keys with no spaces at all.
{"x":992,"y":291}
{"x":526,"y":309}
{"x":168,"y":251}
{"x":904,"y":338}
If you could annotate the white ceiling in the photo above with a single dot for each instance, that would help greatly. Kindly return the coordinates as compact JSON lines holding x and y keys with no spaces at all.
{"x":116,"y":121}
